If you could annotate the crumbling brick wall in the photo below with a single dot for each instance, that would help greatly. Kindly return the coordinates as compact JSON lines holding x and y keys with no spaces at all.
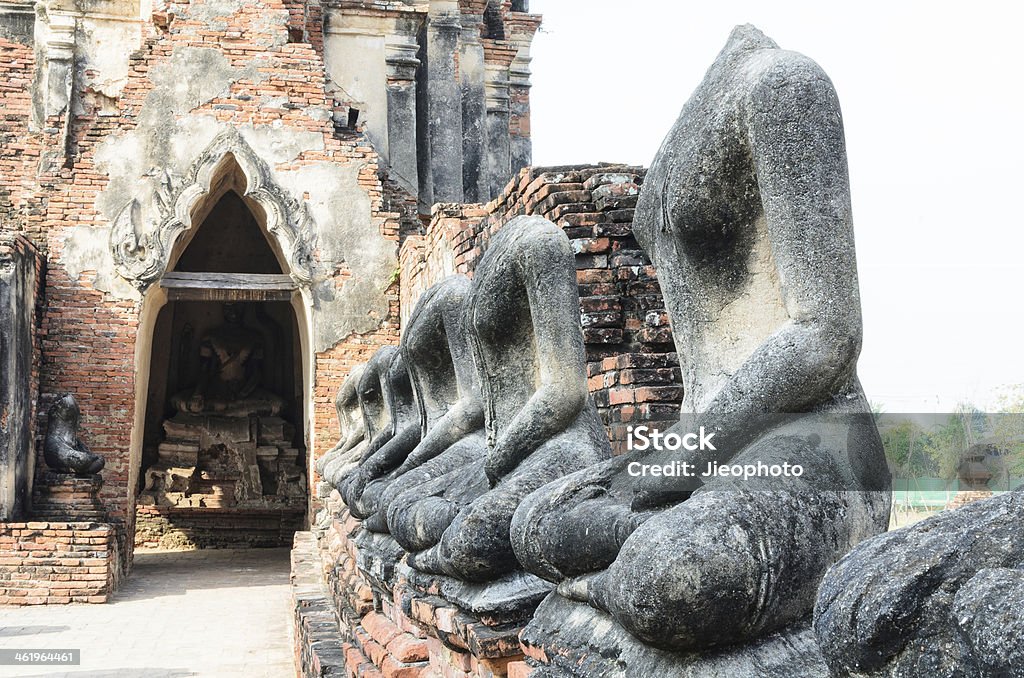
{"x":19,"y":146}
{"x":631,"y":362}
{"x":57,"y":562}
{"x":91,"y":323}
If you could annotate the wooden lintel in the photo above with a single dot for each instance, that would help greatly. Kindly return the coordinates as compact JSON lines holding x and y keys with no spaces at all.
{"x":207,"y":294}
{"x":228,"y":286}
{"x":236,"y":281}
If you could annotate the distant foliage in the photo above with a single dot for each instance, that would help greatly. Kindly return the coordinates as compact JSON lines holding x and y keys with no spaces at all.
{"x":939,"y":446}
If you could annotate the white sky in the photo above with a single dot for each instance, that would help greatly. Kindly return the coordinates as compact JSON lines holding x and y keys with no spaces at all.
{"x":932,"y":104}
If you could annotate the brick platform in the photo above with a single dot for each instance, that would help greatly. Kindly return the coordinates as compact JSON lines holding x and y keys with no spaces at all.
{"x":69,"y":551}
{"x":61,"y":496}
{"x":57,"y":562}
{"x":171,"y":528}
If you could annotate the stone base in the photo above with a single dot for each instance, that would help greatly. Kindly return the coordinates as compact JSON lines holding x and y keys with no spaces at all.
{"x":509,"y":600}
{"x":394,"y":620}
{"x":377,"y":557}
{"x":571,"y":639}
{"x":67,"y":498}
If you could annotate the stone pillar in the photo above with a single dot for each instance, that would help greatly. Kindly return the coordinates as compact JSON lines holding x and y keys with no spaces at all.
{"x":60,"y":54}
{"x":444,"y":124}
{"x":521,"y":144}
{"x":400,"y":55}
{"x":18,"y":285}
{"x":474,"y":109}
{"x":498,"y":164}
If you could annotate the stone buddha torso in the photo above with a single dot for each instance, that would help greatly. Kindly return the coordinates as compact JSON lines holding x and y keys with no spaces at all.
{"x":231,"y":380}
{"x":746,"y":215}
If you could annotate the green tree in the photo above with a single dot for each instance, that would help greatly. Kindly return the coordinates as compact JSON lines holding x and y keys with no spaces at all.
{"x":1008,"y":433}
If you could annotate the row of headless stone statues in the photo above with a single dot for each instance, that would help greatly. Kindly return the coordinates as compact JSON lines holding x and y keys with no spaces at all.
{"x":476,"y":446}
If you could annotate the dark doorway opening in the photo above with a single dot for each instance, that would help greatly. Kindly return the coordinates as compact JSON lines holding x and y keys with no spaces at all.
{"x":224,"y":455}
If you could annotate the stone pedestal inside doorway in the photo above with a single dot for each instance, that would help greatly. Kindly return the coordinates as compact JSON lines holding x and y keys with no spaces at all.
{"x":223,"y":482}
{"x":209,"y":461}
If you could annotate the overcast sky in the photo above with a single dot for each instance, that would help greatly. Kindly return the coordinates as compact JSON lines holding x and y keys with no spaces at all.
{"x":932,"y":106}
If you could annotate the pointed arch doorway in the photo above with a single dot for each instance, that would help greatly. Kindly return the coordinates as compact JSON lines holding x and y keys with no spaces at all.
{"x":220,"y":447}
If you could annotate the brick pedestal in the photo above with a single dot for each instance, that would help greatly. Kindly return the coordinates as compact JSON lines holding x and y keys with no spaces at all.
{"x":62,"y":496}
{"x":69,"y":552}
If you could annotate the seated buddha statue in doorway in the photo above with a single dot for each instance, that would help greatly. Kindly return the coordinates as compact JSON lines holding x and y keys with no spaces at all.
{"x":230,"y":372}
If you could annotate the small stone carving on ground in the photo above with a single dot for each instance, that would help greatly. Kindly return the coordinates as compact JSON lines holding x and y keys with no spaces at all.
{"x":63,"y":450}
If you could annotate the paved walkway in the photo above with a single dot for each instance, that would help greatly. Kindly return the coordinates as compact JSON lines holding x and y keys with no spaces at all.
{"x":200,"y":613}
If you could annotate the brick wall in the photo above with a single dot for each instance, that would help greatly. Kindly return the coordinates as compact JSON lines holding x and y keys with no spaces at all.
{"x":57,"y":562}
{"x":19,"y":147}
{"x":89,"y":334}
{"x":631,"y":363}
{"x":174,"y":528}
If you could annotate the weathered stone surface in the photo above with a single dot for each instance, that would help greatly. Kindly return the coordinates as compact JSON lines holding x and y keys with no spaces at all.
{"x":343,"y":457}
{"x":63,"y":450}
{"x":500,"y":601}
{"x":404,"y":421}
{"x":576,"y":640}
{"x":540,"y":422}
{"x":18,"y":284}
{"x":941,"y":598}
{"x":435,"y":348}
{"x":745,"y":213}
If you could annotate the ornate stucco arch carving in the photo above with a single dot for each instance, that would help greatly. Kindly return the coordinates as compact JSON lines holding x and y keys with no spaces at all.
{"x":142,"y":251}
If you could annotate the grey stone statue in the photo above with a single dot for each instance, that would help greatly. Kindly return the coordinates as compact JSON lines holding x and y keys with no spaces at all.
{"x":436,"y":351}
{"x":343,"y":457}
{"x":63,"y":450}
{"x":230,"y":372}
{"x":746,"y":215}
{"x":941,"y":598}
{"x":524,"y":331}
{"x":390,"y":378}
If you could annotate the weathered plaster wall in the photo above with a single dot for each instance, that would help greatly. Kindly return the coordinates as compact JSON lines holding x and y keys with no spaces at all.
{"x":207,"y":67}
{"x":109,"y":113}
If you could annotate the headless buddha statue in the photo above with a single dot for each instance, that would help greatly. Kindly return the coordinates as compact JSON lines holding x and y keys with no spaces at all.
{"x":437,"y":354}
{"x":524,"y":332}
{"x":343,"y":457}
{"x":385,"y":389}
{"x":230,"y":372}
{"x":746,"y":215}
